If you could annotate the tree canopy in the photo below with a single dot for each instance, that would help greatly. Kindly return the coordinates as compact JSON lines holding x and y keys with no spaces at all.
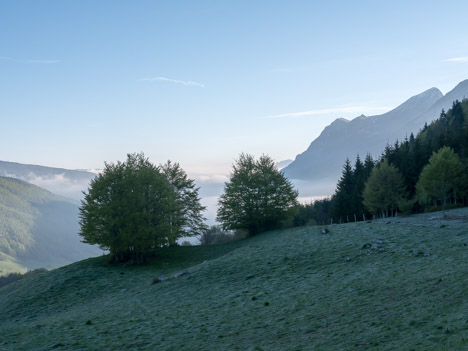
{"x":347,"y":202}
{"x":191,"y":222}
{"x":441,"y":176}
{"x":257,"y":198}
{"x":384,"y":189}
{"x":132,"y":207}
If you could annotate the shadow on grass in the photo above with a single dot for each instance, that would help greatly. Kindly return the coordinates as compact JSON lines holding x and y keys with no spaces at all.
{"x":175,"y":257}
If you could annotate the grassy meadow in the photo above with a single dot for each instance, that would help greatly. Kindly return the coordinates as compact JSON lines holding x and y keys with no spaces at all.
{"x":393,"y":284}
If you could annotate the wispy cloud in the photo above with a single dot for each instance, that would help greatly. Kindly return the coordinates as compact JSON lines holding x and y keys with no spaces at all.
{"x":41,"y":62}
{"x":176,"y":81}
{"x":457,"y":59}
{"x":328,"y":111}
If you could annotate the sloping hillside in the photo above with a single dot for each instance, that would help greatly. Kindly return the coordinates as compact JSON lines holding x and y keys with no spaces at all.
{"x":397,"y":284}
{"x":37,"y":228}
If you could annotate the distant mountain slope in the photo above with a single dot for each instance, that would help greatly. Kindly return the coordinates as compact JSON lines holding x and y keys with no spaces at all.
{"x":38,"y":228}
{"x":324,"y":158}
{"x":281,"y":164}
{"x":65,"y":182}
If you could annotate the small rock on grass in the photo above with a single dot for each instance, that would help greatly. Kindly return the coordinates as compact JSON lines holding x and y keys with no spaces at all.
{"x":181,"y":274}
{"x":421,"y":253}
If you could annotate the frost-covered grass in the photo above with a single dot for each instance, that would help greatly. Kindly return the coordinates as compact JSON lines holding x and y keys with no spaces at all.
{"x":360,"y":287}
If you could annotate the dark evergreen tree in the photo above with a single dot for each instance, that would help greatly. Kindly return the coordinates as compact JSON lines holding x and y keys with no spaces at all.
{"x":368,"y":165}
{"x":360,"y":178}
{"x":342,"y":201}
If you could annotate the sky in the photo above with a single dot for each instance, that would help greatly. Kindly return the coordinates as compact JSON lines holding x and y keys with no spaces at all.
{"x":199,"y":82}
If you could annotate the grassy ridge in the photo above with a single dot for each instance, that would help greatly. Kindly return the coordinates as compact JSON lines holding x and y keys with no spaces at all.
{"x":387,"y":285}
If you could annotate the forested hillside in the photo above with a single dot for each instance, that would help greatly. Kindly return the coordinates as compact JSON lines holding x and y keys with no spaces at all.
{"x":64,"y":182}
{"x":393,"y":183}
{"x":37,"y":228}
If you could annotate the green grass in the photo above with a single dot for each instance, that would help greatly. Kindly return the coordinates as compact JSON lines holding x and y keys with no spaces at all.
{"x":294,"y":289}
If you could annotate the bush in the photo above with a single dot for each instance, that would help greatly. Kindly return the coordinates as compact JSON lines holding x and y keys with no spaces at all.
{"x":216,"y":235}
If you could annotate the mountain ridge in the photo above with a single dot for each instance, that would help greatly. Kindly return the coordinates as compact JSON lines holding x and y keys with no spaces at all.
{"x":323,"y":159}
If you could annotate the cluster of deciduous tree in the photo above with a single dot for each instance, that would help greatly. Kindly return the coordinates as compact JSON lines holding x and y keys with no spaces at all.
{"x":133,"y":207}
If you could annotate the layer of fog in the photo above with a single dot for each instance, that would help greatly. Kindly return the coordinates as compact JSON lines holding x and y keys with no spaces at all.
{"x":57,"y":183}
{"x":210,"y":188}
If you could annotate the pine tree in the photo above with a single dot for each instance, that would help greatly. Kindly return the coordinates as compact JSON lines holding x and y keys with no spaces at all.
{"x":343,"y":197}
{"x":368,"y":165}
{"x":360,"y":178}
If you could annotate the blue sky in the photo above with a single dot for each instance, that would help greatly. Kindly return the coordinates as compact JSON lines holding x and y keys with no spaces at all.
{"x":198,"y":82}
